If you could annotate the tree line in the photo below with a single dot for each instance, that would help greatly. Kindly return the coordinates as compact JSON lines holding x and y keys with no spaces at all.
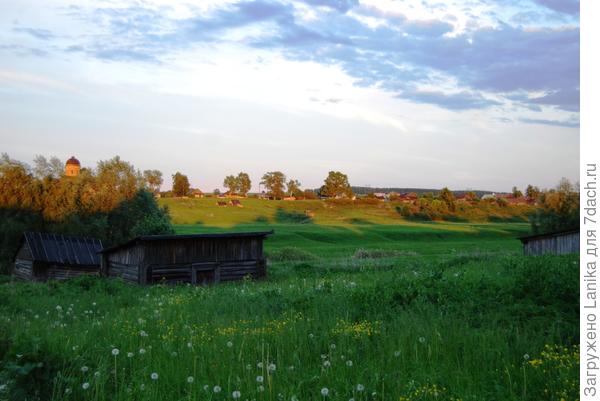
{"x":112,"y":202}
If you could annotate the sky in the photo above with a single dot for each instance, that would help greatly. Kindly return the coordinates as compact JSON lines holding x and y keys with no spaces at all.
{"x":469,"y":94}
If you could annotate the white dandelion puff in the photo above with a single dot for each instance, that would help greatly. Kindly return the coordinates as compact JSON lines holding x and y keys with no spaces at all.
{"x":154,"y":376}
{"x":229,"y":344}
{"x":130,"y":355}
{"x":115,"y":351}
{"x":236,"y":394}
{"x":261,"y":388}
{"x":360,"y":387}
{"x":326,"y":364}
{"x":85,"y":385}
{"x":324,"y":391}
{"x":396,"y":354}
{"x":272,"y":367}
{"x":526,"y":357}
{"x":190,"y":379}
{"x":260,"y":379}
{"x":421,"y":340}
{"x":349,"y":363}
{"x":84,"y":369}
{"x":216,"y":389}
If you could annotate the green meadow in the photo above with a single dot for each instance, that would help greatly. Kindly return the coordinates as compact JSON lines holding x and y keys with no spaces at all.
{"x":358,"y":304}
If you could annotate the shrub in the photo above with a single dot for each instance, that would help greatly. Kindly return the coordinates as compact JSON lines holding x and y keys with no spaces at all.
{"x":290,"y":254}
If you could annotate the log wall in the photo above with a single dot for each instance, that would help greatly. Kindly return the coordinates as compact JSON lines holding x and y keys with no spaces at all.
{"x":556,"y":245}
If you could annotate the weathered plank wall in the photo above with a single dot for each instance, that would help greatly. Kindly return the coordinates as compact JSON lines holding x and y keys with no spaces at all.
{"x":559,"y":244}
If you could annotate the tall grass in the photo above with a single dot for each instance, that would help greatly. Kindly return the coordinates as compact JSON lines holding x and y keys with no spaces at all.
{"x":468,"y":327}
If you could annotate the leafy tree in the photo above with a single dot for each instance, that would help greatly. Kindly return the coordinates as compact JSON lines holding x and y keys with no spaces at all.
{"x":243,"y":183}
{"x":336,"y":185}
{"x":231,"y":183}
{"x":274,"y":182}
{"x":216,"y":191}
{"x":181,"y":184}
{"x":532,"y":192}
{"x":153,"y":180}
{"x":293,"y":188}
{"x":448,"y":198}
{"x":116,"y":181}
{"x":559,"y":209}
{"x":309,"y":194}
{"x":43,"y":167}
{"x":516,"y":193}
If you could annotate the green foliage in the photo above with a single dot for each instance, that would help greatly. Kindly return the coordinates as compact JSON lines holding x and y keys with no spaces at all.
{"x":290,"y":253}
{"x":293,"y":188}
{"x":153,"y":180}
{"x":181,"y":184}
{"x":274,"y":182}
{"x":558,"y":209}
{"x":230,"y":182}
{"x":336,"y":185}
{"x":243,"y":183}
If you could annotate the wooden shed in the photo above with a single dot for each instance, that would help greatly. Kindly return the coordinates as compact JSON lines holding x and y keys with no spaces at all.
{"x":45,"y":256}
{"x":555,"y":243}
{"x":194,"y":259}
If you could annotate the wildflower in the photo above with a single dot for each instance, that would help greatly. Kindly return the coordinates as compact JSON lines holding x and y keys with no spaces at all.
{"x":205,"y":387}
{"x":142,"y":351}
{"x":115,"y":351}
{"x":324,"y":391}
{"x":154,"y":376}
{"x":190,"y":379}
{"x":351,"y":399}
{"x":96,"y":374}
{"x":422,"y":340}
{"x":130,"y":355}
{"x":326,"y":364}
{"x":216,"y":389}
{"x":84,"y":369}
{"x":294,"y":398}
{"x":396,"y":354}
{"x":248,"y":367}
{"x":142,"y":386}
{"x":259,"y":365}
{"x":67,"y":391}
{"x":260,"y":379}
{"x":236,"y":394}
{"x":85,"y":385}
{"x":174,"y":354}
{"x":143,"y":333}
{"x":229,"y":344}
{"x":261,"y":388}
{"x":349,"y":363}
{"x":360,"y":387}
{"x":526,"y":357}
{"x":272,"y":367}
{"x":311,"y":335}
{"x":332,"y":346}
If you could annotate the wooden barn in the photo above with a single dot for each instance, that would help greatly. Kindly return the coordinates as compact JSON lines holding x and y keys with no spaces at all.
{"x":194,"y":259}
{"x":45,"y":256}
{"x":555,"y":243}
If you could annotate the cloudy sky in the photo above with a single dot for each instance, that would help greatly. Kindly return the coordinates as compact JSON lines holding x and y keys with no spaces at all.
{"x":461,"y":93}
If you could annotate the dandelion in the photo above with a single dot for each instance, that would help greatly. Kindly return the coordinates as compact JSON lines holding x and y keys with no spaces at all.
{"x":115,"y":351}
{"x":311,"y":336}
{"x":259,"y":365}
{"x":84,"y":369}
{"x":248,"y":367}
{"x":526,"y":357}
{"x":143,"y":333}
{"x":96,"y":374}
{"x":142,"y":386}
{"x":360,"y":387}
{"x":85,"y":385}
{"x":324,"y":391}
{"x":332,"y":346}
{"x":260,"y":379}
{"x":216,"y":389}
{"x":142,"y":351}
{"x":229,"y":344}
{"x":261,"y":388}
{"x":349,"y":363}
{"x":154,"y":376}
{"x":272,"y":367}
{"x":326,"y":364}
{"x":421,"y":340}
{"x":205,"y":387}
{"x":396,"y":354}
{"x":236,"y":394}
{"x":294,"y":398}
{"x":190,"y":379}
{"x":130,"y":355}
{"x":351,"y":399}
{"x":189,"y":345}
{"x":174,"y":354}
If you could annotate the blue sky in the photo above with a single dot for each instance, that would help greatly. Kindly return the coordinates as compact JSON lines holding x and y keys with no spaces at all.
{"x":465,"y":94}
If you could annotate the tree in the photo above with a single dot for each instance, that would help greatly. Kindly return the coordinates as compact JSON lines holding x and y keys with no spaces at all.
{"x":293,"y":188}
{"x":447,"y":197}
{"x":231,"y":183}
{"x":559,"y":209}
{"x":181,"y":184}
{"x":532,"y":192}
{"x":44,"y":168}
{"x":336,"y":185}
{"x":274,"y":182}
{"x":116,"y":181}
{"x":243,"y":183}
{"x":216,"y":191}
{"x":153,"y":180}
{"x":516,"y":193}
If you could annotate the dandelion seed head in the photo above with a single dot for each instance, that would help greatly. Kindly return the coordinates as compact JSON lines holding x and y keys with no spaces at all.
{"x":261,"y":388}
{"x":349,"y":363}
{"x":115,"y":351}
{"x":84,"y":369}
{"x":396,"y":354}
{"x":526,"y":357}
{"x":216,"y":389}
{"x":154,"y":376}
{"x":324,"y":391}
{"x":229,"y":344}
{"x":272,"y":367}
{"x":85,"y":385}
{"x":326,"y":364}
{"x":236,"y":394}
{"x":360,"y":387}
{"x":190,"y":379}
{"x":260,"y":379}
{"x":142,"y":351}
{"x":130,"y":355}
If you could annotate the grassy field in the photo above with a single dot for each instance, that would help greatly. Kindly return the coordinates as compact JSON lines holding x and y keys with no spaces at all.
{"x":374,"y":308}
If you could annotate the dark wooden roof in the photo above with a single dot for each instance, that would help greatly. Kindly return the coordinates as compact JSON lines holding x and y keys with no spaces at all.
{"x":145,"y":238}
{"x":528,"y":238}
{"x":57,"y":248}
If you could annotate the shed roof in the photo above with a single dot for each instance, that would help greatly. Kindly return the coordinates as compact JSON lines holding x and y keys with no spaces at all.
{"x":146,"y":238}
{"x":528,"y":238}
{"x":57,"y":248}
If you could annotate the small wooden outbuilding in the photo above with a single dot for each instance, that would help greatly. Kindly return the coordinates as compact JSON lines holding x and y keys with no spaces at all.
{"x":45,"y":256}
{"x":554,"y":243}
{"x":194,"y":259}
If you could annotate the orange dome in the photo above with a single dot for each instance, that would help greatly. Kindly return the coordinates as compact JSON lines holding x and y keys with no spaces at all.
{"x":73,"y":161}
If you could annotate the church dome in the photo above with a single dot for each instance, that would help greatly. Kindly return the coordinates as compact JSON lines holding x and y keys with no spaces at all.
{"x":73,"y":161}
